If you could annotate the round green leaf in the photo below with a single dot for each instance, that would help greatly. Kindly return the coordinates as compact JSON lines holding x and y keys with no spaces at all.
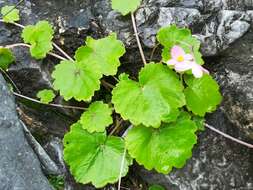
{"x":102,"y":54}
{"x":6,"y":58}
{"x":97,"y":117}
{"x":202,"y":95}
{"x":40,"y":37}
{"x":94,"y":157}
{"x":46,"y":96}
{"x":75,"y":80}
{"x":164,"y":148}
{"x":155,"y":98}
{"x":10,"y":14}
{"x":125,"y":6}
{"x":171,"y":35}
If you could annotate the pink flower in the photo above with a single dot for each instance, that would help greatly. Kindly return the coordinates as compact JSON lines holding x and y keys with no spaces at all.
{"x":183,"y":62}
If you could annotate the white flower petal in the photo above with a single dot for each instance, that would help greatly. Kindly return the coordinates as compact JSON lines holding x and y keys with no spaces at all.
{"x":182,"y":66}
{"x":177,"y":51}
{"x":197,"y":70}
{"x":171,"y":62}
{"x":188,"y":57}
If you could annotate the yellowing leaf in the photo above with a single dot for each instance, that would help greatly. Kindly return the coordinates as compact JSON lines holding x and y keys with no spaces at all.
{"x":95,"y":158}
{"x":97,"y":117}
{"x":155,"y":98}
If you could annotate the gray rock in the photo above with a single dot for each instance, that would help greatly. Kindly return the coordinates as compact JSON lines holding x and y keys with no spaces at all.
{"x":48,"y":165}
{"x":234,"y":72}
{"x":19,"y":166}
{"x":223,"y":30}
{"x":212,"y":23}
{"x":54,"y":148}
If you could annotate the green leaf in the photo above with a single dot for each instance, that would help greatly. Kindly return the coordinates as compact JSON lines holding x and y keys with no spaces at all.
{"x":40,"y":37}
{"x":156,"y":187}
{"x":76,"y":80}
{"x":155,"y":98}
{"x":10,"y":14}
{"x":102,"y":54}
{"x":97,"y":117}
{"x":125,"y":6}
{"x":6,"y":58}
{"x":200,"y":122}
{"x":95,"y":157}
{"x":46,"y":96}
{"x":164,"y":148}
{"x":171,"y":35}
{"x":202,"y":95}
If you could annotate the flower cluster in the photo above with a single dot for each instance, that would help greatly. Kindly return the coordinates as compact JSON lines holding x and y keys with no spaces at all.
{"x":182,"y":61}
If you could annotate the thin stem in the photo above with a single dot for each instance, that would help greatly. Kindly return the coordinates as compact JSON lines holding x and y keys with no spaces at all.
{"x":62,"y":51}
{"x":105,"y":83}
{"x":14,"y":23}
{"x":17,"y":45}
{"x":53,"y":105}
{"x":228,"y":136}
{"x":116,"y":127}
{"x":121,"y":168}
{"x":153,"y":52}
{"x":56,"y":55}
{"x":10,"y":79}
{"x":17,"y":24}
{"x":138,"y":39}
{"x":28,"y":46}
{"x":115,"y":78}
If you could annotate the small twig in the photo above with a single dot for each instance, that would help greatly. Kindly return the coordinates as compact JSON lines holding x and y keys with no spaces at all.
{"x":53,"y":105}
{"x":228,"y":136}
{"x":153,"y":52}
{"x":17,"y":45}
{"x":118,"y":124}
{"x":105,"y":83}
{"x":27,"y":45}
{"x":10,"y":79}
{"x":138,"y":39}
{"x":62,"y":51}
{"x":115,"y":78}
{"x":17,"y":24}
{"x":121,"y":168}
{"x":56,"y":55}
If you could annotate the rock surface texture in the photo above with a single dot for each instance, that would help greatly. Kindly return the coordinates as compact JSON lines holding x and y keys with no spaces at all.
{"x":226,"y":32}
{"x":19,"y":166}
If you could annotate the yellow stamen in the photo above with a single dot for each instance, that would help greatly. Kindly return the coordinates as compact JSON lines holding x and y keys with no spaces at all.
{"x":180,"y":58}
